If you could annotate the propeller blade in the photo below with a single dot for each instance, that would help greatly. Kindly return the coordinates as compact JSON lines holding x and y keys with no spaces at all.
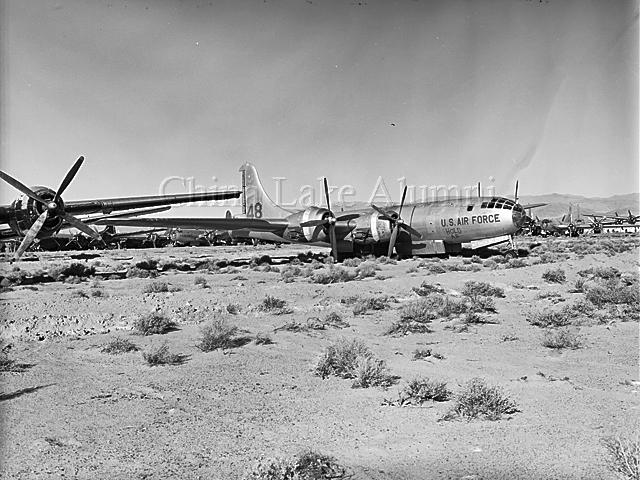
{"x":23,"y":188}
{"x":314,"y":223}
{"x":346,"y":218}
{"x":404,"y":194}
{"x":516,"y":193}
{"x":68,"y":178}
{"x":479,"y":190}
{"x":382,"y":213}
{"x":326,"y":193}
{"x":334,"y":241}
{"x":392,"y":242}
{"x":31,"y":234}
{"x":73,"y":221}
{"x":411,"y":230}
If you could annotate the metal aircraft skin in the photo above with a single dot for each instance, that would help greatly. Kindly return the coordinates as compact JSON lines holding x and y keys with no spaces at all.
{"x":41,"y":211}
{"x":412,"y":229}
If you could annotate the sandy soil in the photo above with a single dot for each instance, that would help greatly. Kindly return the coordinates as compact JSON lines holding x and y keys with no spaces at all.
{"x":72,"y":411}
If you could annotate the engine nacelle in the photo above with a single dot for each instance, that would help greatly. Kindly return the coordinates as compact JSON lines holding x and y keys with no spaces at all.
{"x":25,"y":211}
{"x":371,"y":229}
{"x":309,"y":234}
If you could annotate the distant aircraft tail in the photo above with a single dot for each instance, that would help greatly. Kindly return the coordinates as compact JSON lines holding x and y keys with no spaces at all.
{"x":255,"y":201}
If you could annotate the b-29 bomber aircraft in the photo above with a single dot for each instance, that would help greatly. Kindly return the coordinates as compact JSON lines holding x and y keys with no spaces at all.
{"x":41,"y":212}
{"x":428,"y":228}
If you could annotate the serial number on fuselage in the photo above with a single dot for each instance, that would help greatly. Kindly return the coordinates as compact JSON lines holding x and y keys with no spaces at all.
{"x":473,"y":220}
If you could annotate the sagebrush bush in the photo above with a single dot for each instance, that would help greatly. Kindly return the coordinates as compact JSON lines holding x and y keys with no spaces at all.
{"x":364,"y":305}
{"x":201,"y":281}
{"x":274,"y":305}
{"x":425,"y":289}
{"x":334,"y":274}
{"x":557,"y":275}
{"x":156,"y":287}
{"x":624,"y":457}
{"x":422,"y":390}
{"x":560,"y":339}
{"x":217,"y":334}
{"x":549,"y":318}
{"x":153,"y":323}
{"x":366,"y":269}
{"x":371,"y":372}
{"x":308,"y":465}
{"x":341,"y":358}
{"x":484,"y":289}
{"x":479,"y":400}
{"x":119,"y":345}
{"x":161,"y":355}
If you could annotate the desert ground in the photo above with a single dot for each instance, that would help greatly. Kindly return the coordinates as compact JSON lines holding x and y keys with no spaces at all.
{"x":71,"y":410}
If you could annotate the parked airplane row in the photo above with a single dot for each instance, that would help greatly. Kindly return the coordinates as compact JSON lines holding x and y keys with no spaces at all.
{"x":424,"y":228}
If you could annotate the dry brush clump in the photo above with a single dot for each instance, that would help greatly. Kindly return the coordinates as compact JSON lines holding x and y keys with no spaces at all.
{"x":556,"y":275}
{"x":479,"y":400}
{"x":333,"y":274}
{"x":560,"y":339}
{"x":422,"y":390}
{"x":161,"y":355}
{"x":481,"y":289}
{"x":424,"y":353}
{"x":159,"y":287}
{"x":308,"y":465}
{"x":274,"y":305}
{"x":153,"y":323}
{"x":118,"y":346}
{"x":219,"y":334}
{"x":364,"y":305}
{"x":624,"y":457}
{"x":353,"y":359}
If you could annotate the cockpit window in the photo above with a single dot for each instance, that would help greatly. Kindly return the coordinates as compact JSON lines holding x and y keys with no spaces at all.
{"x":491,"y":204}
{"x":484,"y":205}
{"x":469,"y":208}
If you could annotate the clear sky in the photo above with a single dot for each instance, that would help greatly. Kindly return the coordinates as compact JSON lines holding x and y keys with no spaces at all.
{"x":442,"y":92}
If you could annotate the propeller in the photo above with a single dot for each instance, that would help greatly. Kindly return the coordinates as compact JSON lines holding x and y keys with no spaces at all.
{"x":52,"y":208}
{"x":515,"y":195}
{"x":479,"y":190}
{"x":397,"y":222}
{"x":329,"y":221}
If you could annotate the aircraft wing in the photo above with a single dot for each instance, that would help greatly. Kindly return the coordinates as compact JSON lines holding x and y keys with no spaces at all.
{"x":251,"y":224}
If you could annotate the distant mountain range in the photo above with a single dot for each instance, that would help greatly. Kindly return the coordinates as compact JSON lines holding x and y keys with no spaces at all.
{"x":558,"y":204}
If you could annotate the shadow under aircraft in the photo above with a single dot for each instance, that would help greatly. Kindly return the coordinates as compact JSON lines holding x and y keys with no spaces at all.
{"x":427,"y":228}
{"x":41,"y":212}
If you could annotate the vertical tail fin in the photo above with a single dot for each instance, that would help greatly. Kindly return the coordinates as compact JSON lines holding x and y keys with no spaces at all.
{"x":255,"y":201}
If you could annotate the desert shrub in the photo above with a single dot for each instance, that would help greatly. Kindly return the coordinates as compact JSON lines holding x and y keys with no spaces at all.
{"x":135,"y":272}
{"x":79,"y":294}
{"x":549,"y":318}
{"x":6,"y":363}
{"x":420,"y":310}
{"x":479,"y":400}
{"x":274,"y":305}
{"x":624,"y":457}
{"x":352,"y":262}
{"x":263,"y":339}
{"x":426,"y":289}
{"x":516,"y":263}
{"x":578,"y":285}
{"x":217,"y":334}
{"x":147,"y":264}
{"x":371,"y":372}
{"x":476,"y":259}
{"x":201,"y":281}
{"x":421,"y":353}
{"x":353,"y":359}
{"x":554,"y":276}
{"x":481,"y":304}
{"x":560,"y":339}
{"x":474,"y":289}
{"x":422,"y":390}
{"x":435,"y":268}
{"x":334,"y":319}
{"x":153,"y":323}
{"x":97,"y":292}
{"x":156,"y":287}
{"x":232,"y":308}
{"x":290,"y":272}
{"x":489,"y":263}
{"x":602,"y":273}
{"x":117,"y":346}
{"x":451,"y":306}
{"x":306,"y":466}
{"x":341,"y":358}
{"x":366,"y":269}
{"x":612,"y":292}
{"x":334,"y":274}
{"x":364,"y":305}
{"x":474,"y":318}
{"x":412,"y":269}
{"x":161,"y":355}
